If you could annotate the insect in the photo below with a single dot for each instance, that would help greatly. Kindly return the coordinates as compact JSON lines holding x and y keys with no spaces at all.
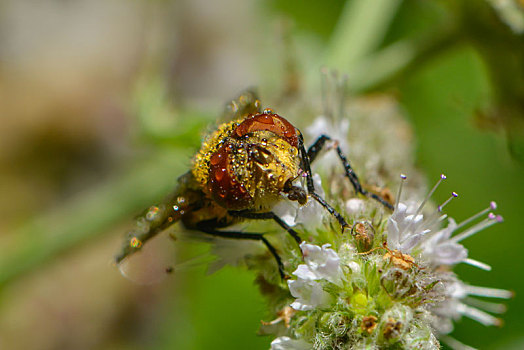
{"x":241,"y":171}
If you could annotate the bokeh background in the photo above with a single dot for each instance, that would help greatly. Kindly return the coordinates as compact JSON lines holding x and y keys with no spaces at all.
{"x":103,"y":102}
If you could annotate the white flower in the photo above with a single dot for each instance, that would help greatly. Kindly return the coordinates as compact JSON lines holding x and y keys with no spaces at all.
{"x":405,"y":228}
{"x":308,"y":293}
{"x":439,"y":249}
{"x":407,"y":225}
{"x":443,"y":249}
{"x":457,"y":302}
{"x":414,"y":233}
{"x":321,"y":263}
{"x":286,"y":343}
{"x":355,"y":206}
{"x":411,"y":232}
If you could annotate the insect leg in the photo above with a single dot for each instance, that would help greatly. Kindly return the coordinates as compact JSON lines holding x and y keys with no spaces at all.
{"x":209,"y":227}
{"x":267,"y":216}
{"x":315,"y":149}
{"x":306,"y":166}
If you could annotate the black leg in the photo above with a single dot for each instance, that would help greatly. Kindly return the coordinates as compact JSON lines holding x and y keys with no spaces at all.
{"x":267,"y":216}
{"x":306,"y":166}
{"x":315,"y":149}
{"x":209,"y":227}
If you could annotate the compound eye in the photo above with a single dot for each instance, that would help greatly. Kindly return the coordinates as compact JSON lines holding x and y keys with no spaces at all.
{"x":260,"y":155}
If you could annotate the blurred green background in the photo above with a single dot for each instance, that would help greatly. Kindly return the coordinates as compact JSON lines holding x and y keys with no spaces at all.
{"x":104,"y":102}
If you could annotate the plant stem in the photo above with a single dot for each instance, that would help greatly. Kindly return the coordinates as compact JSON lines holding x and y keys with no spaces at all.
{"x":88,"y":215}
{"x":360,"y":29}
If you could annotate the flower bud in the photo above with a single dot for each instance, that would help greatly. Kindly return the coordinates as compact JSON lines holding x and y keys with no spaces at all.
{"x":364,"y":233}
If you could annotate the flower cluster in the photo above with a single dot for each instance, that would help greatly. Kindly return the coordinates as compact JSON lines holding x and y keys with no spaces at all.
{"x":387,"y":282}
{"x":388,"y":285}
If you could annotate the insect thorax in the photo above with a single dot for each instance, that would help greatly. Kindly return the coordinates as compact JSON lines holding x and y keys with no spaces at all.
{"x":247,"y":172}
{"x":263,"y":163}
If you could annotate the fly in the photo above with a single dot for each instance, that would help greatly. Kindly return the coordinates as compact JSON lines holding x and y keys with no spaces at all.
{"x":241,"y":171}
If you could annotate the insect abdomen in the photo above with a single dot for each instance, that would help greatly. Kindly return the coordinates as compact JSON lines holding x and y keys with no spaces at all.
{"x":225,"y":189}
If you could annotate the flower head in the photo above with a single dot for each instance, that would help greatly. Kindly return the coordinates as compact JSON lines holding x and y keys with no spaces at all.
{"x":398,"y":292}
{"x":388,"y":282}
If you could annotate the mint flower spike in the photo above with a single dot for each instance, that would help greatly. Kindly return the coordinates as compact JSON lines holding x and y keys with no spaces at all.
{"x":387,"y":282}
{"x":403,"y":293}
{"x":413,"y":233}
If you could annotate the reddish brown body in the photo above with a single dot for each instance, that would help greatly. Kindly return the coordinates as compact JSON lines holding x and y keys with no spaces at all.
{"x":222,"y":183}
{"x":224,"y":188}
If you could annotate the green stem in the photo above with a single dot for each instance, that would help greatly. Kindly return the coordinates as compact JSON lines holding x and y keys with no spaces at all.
{"x":360,"y":30}
{"x":88,"y":215}
{"x":382,"y":65}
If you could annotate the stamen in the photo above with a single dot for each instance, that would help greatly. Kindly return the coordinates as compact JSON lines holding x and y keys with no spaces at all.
{"x":454,"y":343}
{"x":342,"y":98}
{"x":419,"y":209}
{"x":402,"y":180}
{"x":434,"y":218}
{"x":442,"y":177}
{"x":478,"y":315}
{"x":492,"y":206}
{"x":488,"y":292}
{"x":491,"y":220}
{"x":453,"y":195}
{"x":478,"y":264}
{"x":496,"y":308}
{"x":443,"y":217}
{"x":324,"y":71}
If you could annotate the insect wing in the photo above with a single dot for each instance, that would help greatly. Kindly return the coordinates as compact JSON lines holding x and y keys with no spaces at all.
{"x":245,"y":104}
{"x":152,"y":263}
{"x":169,"y":253}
